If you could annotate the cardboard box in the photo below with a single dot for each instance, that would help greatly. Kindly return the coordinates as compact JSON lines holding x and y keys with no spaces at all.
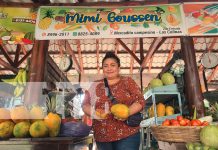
{"x":171,"y":146}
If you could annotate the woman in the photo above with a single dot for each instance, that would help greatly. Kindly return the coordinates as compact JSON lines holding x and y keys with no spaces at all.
{"x":110,"y":132}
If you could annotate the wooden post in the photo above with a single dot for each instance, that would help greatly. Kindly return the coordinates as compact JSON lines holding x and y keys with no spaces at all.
{"x":37,"y":67}
{"x":192,"y":83}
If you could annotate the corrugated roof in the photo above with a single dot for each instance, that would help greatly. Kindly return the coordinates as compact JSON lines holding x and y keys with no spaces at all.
{"x":89,"y":53}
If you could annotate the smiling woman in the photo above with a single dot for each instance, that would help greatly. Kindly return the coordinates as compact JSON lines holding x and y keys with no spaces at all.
{"x":111,"y":131}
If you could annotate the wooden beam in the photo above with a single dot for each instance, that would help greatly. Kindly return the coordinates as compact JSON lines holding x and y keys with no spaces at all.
{"x":212,"y":44}
{"x":33,"y":64}
{"x":23,"y":49}
{"x":215,"y":70}
{"x":55,"y":67}
{"x":71,"y":52}
{"x":150,"y":64}
{"x":193,"y":92}
{"x":128,"y":50}
{"x":8,"y":66}
{"x":97,"y":55}
{"x":7,"y":56}
{"x":157,"y":42}
{"x":80,"y":55}
{"x":131,"y":58}
{"x":17,"y":54}
{"x":117,"y":45}
{"x":171,"y":50}
{"x":23,"y":58}
{"x":141,"y":50}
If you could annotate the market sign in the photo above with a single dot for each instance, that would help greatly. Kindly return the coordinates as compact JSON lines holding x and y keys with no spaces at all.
{"x":201,"y":18}
{"x":109,"y":22}
{"x":17,"y":25}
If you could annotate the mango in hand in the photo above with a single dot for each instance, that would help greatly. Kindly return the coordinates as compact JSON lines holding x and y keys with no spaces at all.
{"x":101,"y":113}
{"x":120,"y":111}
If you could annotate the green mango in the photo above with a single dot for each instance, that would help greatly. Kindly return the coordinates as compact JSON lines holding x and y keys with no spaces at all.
{"x":190,"y":146}
{"x":198,"y":147}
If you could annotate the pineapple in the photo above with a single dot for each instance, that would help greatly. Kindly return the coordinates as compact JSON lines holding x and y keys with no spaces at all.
{"x":47,"y":20}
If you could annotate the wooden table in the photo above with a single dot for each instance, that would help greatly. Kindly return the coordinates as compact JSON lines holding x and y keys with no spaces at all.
{"x":56,"y":143}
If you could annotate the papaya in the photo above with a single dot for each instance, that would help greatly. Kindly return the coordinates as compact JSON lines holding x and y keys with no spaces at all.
{"x":38,"y":129}
{"x":169,"y":110}
{"x":21,"y":129}
{"x":6,"y":129}
{"x":120,"y":111}
{"x":160,"y":110}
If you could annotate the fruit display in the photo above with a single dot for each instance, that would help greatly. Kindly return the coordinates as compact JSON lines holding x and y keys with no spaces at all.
{"x":181,"y":121}
{"x":161,"y":109}
{"x":166,"y":79}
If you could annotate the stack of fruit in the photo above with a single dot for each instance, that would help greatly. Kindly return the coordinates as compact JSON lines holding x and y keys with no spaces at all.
{"x":208,"y":138}
{"x":166,"y":79}
{"x":181,"y":121}
{"x":161,"y":109}
{"x":21,"y":122}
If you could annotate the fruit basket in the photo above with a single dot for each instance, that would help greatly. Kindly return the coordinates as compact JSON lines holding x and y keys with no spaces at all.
{"x":177,"y":133}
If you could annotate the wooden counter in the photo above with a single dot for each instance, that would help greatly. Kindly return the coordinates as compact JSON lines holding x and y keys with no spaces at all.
{"x":56,"y":143}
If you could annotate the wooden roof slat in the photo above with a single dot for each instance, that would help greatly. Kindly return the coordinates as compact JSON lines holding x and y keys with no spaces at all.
{"x":128,"y":50}
{"x":8,"y":66}
{"x":141,"y":49}
{"x":157,"y":42}
{"x":97,"y":55}
{"x":24,"y":58}
{"x":171,"y":50}
{"x":80,"y":55}
{"x":7,"y":56}
{"x":132,"y":59}
{"x":215,"y":70}
{"x":17,"y":54}
{"x":71,"y":52}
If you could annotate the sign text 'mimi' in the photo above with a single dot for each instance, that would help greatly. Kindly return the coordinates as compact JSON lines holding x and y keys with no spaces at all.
{"x":112,"y":17}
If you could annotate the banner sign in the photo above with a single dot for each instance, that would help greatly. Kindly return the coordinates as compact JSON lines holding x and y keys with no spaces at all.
{"x":201,"y":18}
{"x":109,"y":22}
{"x":17,"y":25}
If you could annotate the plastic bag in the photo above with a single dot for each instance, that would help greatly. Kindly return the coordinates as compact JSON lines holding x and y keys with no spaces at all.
{"x":74,"y":129}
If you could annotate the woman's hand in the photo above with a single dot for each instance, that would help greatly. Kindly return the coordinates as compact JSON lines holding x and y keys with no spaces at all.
{"x":100,"y":114}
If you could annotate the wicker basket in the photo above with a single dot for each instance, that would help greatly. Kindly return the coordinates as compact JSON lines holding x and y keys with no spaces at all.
{"x":176,"y":133}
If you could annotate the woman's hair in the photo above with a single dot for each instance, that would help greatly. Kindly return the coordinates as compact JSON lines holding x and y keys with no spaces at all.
{"x":111,"y":55}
